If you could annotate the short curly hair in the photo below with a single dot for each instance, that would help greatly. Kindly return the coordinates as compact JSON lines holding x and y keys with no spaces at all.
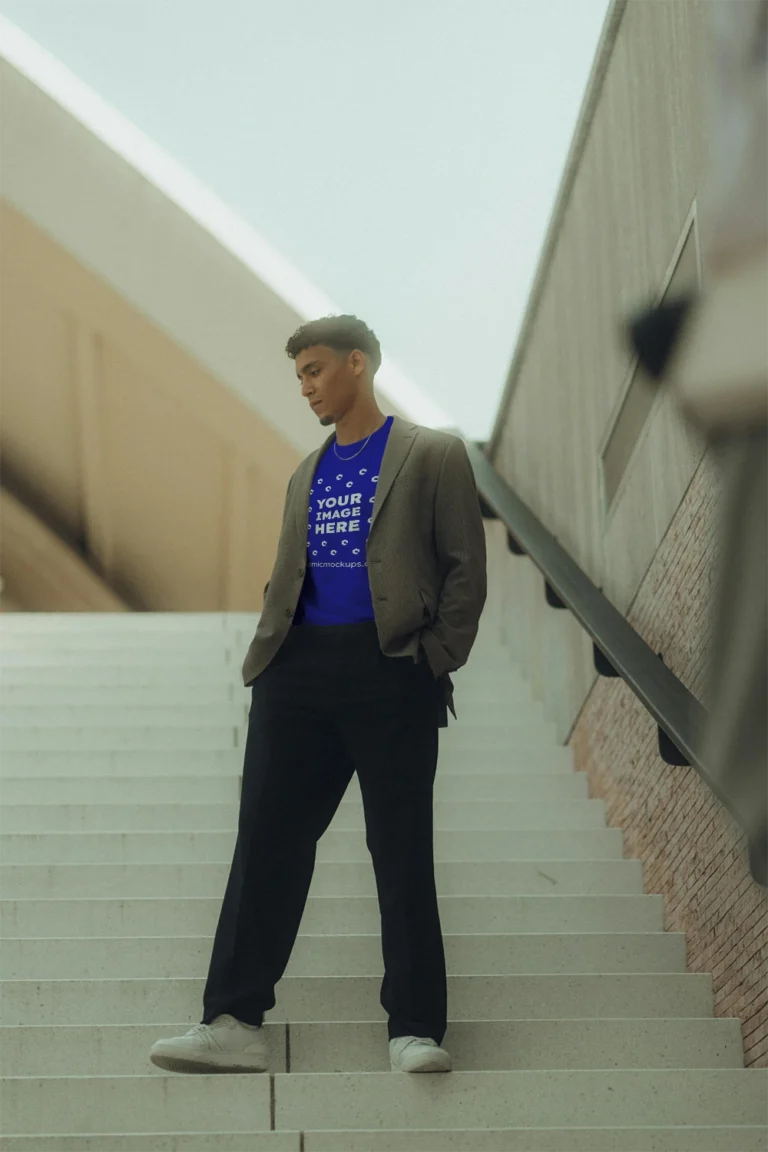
{"x":342,"y":333}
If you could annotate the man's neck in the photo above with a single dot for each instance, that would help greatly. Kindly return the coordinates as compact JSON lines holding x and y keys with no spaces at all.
{"x":357,"y":425}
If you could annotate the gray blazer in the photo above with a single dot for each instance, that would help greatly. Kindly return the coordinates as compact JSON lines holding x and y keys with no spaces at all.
{"x":426,"y":555}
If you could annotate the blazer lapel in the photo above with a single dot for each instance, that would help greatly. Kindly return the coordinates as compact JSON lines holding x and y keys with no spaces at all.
{"x":399,"y":443}
{"x":303,"y":485}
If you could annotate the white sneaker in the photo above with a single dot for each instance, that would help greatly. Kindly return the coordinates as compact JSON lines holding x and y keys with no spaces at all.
{"x":224,"y":1045}
{"x":417,"y":1054}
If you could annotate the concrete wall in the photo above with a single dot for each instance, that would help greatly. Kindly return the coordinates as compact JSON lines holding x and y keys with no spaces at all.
{"x":631,"y":203}
{"x":41,"y":572}
{"x":125,"y":446}
{"x":693,"y":852}
{"x":624,"y":231}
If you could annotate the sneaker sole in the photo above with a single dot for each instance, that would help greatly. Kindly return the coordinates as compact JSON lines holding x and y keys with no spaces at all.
{"x":432,"y":1064}
{"x":171,"y":1063}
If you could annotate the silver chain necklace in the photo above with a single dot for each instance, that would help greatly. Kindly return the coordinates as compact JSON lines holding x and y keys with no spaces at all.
{"x":345,"y":458}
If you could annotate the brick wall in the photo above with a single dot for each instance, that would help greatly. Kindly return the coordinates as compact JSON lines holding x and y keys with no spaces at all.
{"x":692,"y":851}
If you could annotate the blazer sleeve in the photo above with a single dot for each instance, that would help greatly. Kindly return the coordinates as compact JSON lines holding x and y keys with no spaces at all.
{"x":460,"y":546}
{"x":285,"y":517}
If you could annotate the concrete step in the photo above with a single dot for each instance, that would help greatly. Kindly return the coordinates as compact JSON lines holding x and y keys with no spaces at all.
{"x":498,"y":711}
{"x":222,"y":659}
{"x":637,"y":1138}
{"x":31,"y":718}
{"x":478,"y":737}
{"x":105,"y":644}
{"x":171,"y":695}
{"x":50,"y":714}
{"x":211,"y":737}
{"x":553,"y":1031}
{"x":158,"y":1142}
{"x":75,"y":1104}
{"x":112,"y":734}
{"x":210,"y":788}
{"x":169,"y":847}
{"x":218,"y":660}
{"x":488,"y":652}
{"x":111,"y":1050}
{"x":480,"y":878}
{"x":332,"y":915}
{"x":454,"y":784}
{"x":138,"y":674}
{"x":472,"y":702}
{"x":523,"y":757}
{"x":478,"y":697}
{"x":481,"y":669}
{"x":504,"y":1099}
{"x":135,"y":670}
{"x":167,"y":695}
{"x":495,"y":1045}
{"x":124,"y":623}
{"x":464,"y":815}
{"x":575,"y":1097}
{"x":498,"y":1045}
{"x":215,"y":788}
{"x":32,"y":765}
{"x":572,"y":996}
{"x":491,"y":677}
{"x":468,"y":954}
{"x":133,"y":762}
{"x":469,"y":740}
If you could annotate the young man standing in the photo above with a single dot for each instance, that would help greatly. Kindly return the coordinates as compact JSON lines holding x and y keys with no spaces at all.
{"x":374,"y":599}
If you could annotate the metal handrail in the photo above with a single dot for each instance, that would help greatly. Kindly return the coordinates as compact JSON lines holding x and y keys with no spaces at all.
{"x":678,"y":714}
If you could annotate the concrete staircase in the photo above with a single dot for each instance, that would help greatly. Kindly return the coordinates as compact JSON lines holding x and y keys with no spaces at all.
{"x":574,"y":1023}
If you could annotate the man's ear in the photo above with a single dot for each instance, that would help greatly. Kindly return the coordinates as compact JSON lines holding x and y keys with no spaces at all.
{"x":357,"y":362}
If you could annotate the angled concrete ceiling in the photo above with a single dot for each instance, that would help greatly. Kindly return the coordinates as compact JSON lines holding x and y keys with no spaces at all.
{"x":154,"y":472}
{"x":150,"y":418}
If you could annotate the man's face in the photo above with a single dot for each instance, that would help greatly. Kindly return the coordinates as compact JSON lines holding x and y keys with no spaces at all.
{"x":330,"y":380}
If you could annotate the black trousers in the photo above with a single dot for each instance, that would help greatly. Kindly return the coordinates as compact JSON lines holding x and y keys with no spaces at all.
{"x":331,"y":704}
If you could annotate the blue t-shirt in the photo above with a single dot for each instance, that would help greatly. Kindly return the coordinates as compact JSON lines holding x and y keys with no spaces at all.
{"x":336,"y":589}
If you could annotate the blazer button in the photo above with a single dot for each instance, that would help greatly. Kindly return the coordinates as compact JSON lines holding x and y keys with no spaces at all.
{"x":301,"y":571}
{"x":381,"y":597}
{"x":289,"y":612}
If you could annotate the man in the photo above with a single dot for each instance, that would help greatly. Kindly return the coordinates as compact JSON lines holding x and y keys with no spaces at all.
{"x":374,"y":599}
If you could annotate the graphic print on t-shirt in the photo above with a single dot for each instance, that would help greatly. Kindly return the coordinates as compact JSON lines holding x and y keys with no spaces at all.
{"x":341,"y":503}
{"x":335,"y":537}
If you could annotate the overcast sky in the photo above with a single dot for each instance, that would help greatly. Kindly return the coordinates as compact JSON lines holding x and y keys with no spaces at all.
{"x":404,"y":154}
